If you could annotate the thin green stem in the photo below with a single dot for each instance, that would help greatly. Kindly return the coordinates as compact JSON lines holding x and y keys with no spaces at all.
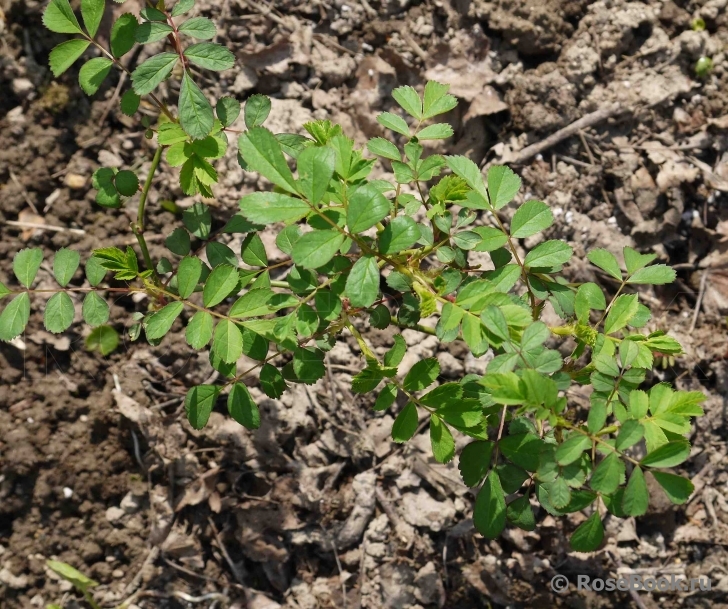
{"x":138,"y":227}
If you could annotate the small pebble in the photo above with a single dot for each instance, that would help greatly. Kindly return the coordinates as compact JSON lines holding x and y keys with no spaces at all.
{"x":75,"y":181}
{"x":67,"y":492}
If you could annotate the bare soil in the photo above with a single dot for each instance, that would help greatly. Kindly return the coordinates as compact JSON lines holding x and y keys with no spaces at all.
{"x":98,"y":467}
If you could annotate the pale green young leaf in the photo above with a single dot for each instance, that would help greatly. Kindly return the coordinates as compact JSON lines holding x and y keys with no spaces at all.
{"x":58,"y":314}
{"x":257,"y":109}
{"x":638,"y":404}
{"x":228,"y":110}
{"x":606,"y":364}
{"x":409,"y":100}
{"x":199,"y":403}
{"x":608,"y":475}
{"x":71,"y":575}
{"x":636,"y":496}
{"x":465,"y":168}
{"x":572,"y":449}
{"x":95,"y":310}
{"x":491,"y":238}
{"x":4,"y":290}
{"x":549,"y":253}
{"x":589,"y":296}
{"x":367,"y":206}
{"x":93,"y":73}
{"x":422,"y":375}
{"x":122,"y":36}
{"x":182,"y":7}
{"x":384,"y":148}
{"x":152,"y":31}
{"x":668,"y":455}
{"x":405,"y":424}
{"x":103,"y":339}
{"x":65,"y":263}
{"x":130,"y":102}
{"x":436,"y":100}
{"x":200,"y":28}
{"x":161,"y":322}
{"x":534,"y":336}
{"x":262,"y":152}
{"x":495,"y":322}
{"x":14,"y":317}
{"x":530,"y":218}
{"x":59,"y":17}
{"x":438,"y":131}
{"x":92,"y":11}
{"x":65,"y":54}
{"x":677,"y":488}
{"x":220,"y":284}
{"x":227,"y":341}
{"x":658,"y":274}
{"x":622,"y":310}
{"x":315,"y":168}
{"x":589,"y":535}
{"x":242,"y":407}
{"x":270,"y":207}
{"x":606,"y":261}
{"x":316,"y":248}
{"x":195,"y":111}
{"x":152,"y":72}
{"x":393,"y":122}
{"x":26,"y":264}
{"x":634,"y":261}
{"x":400,"y":234}
{"x":503,"y":184}
{"x":199,"y":330}
{"x":443,"y":444}
{"x":188,"y":275}
{"x":475,"y":462}
{"x":489,"y":513}
{"x":210,"y":56}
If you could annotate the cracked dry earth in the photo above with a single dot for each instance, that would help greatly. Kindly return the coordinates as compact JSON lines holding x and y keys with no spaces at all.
{"x":317,"y":508}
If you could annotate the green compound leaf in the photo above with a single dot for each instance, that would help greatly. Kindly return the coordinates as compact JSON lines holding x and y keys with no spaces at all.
{"x":210,"y":56}
{"x":242,"y":407}
{"x":367,"y":206}
{"x":677,"y":488}
{"x":151,"y":31}
{"x":200,"y":28}
{"x":503,"y":184}
{"x":315,"y":169}
{"x":161,"y":322}
{"x":103,"y":339}
{"x":257,"y":109}
{"x":126,"y":182}
{"x":316,"y":248}
{"x":199,"y":403}
{"x":122,"y":35}
{"x":608,"y":475}
{"x":489,"y":513}
{"x":228,"y":110}
{"x":65,"y":54}
{"x":262,"y":153}
{"x":659,"y":274}
{"x":227,"y":341}
{"x":199,"y":330}
{"x":589,"y":535}
{"x":668,"y":455}
{"x":362,"y":284}
{"x":272,"y":382}
{"x":93,"y":73}
{"x":26,"y":264}
{"x":65,"y":263}
{"x":405,"y":425}
{"x":443,"y":444}
{"x":475,"y":462}
{"x":195,"y":111}
{"x":422,"y":375}
{"x":393,"y":122}
{"x":220,"y":284}
{"x":530,"y":218}
{"x":400,"y":234}
{"x":95,"y":310}
{"x":549,"y":253}
{"x":130,"y":102}
{"x":152,"y":72}
{"x":92,"y":11}
{"x":636,"y":497}
{"x":188,"y":276}
{"x":15,"y":317}
{"x":410,"y":101}
{"x":625,"y":307}
{"x":59,"y":311}
{"x":58,"y":17}
{"x":606,"y":261}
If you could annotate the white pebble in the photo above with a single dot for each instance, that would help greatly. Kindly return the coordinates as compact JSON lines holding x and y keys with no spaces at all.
{"x":569,"y":217}
{"x":30,"y":420}
{"x":67,"y":492}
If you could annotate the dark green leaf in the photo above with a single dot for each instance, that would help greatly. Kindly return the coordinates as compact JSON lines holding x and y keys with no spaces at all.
{"x":197,"y":220}
{"x":65,"y":263}
{"x":195,"y":111}
{"x":422,"y":375}
{"x":93,"y":73}
{"x":126,"y":182}
{"x":316,"y":248}
{"x":608,"y":475}
{"x":257,"y":109}
{"x":153,"y":71}
{"x":475,"y":462}
{"x":443,"y":444}
{"x":199,"y":330}
{"x":242,"y":407}
{"x":95,"y":310}
{"x":636,"y":497}
{"x":199,"y":403}
{"x":161,"y":322}
{"x":549,"y":253}
{"x":405,"y":424}
{"x":588,"y":535}
{"x":668,"y":455}
{"x":677,"y":488}
{"x":400,"y":234}
{"x":122,"y":36}
{"x":210,"y":56}
{"x":263,"y":154}
{"x":503,"y":185}
{"x":572,"y":449}
{"x":315,"y":169}
{"x":103,"y":339}
{"x":26,"y":264}
{"x":367,"y":206}
{"x":200,"y":28}
{"x":14,"y":317}
{"x":489,"y":513}
{"x":530,"y":218}
{"x":220,"y":284}
{"x":152,"y":31}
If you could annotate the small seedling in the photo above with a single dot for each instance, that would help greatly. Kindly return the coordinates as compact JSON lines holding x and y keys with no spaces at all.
{"x":703,"y":67}
{"x":344,"y":236}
